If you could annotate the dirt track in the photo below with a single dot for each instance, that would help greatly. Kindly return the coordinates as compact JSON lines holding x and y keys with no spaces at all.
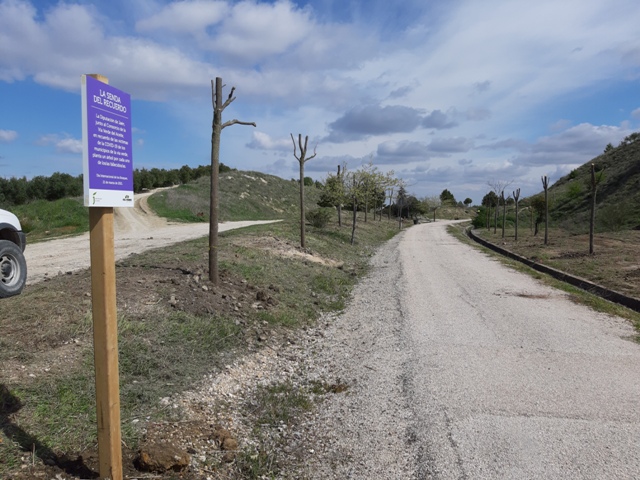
{"x":472,"y":370}
{"x":136,"y":230}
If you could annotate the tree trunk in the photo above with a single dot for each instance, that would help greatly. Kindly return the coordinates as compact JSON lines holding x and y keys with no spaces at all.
{"x":216,"y":130}
{"x":301,"y":160}
{"x":215,"y":165}
{"x":545,"y":183}
{"x":355,"y":215}
{"x":592,"y":220}
{"x":516,"y":196}
{"x":504,"y":212}
{"x":302,"y":242}
{"x":516,"y":235}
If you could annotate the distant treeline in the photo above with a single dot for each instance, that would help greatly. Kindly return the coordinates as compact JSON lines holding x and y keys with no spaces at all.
{"x":18,"y":191}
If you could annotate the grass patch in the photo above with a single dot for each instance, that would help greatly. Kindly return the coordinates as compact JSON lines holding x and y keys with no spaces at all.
{"x":242,"y":196}
{"x":274,"y":407}
{"x":280,"y":403}
{"x":166,"y":348}
{"x":41,"y":219}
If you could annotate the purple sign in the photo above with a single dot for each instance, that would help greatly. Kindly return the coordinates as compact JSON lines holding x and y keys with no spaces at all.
{"x":107,"y":152}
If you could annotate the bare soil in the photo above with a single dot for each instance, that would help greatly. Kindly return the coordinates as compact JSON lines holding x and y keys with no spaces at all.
{"x":141,"y":291}
{"x":36,"y":340}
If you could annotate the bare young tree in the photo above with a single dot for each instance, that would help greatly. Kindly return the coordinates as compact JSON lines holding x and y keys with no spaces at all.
{"x":516,"y":196}
{"x":595,"y":181}
{"x":400,"y":199}
{"x":217,"y":127}
{"x":354,"y":191}
{"x":504,"y":211}
{"x":301,"y":160}
{"x":390,"y":194}
{"x":341,"y":181}
{"x":498,"y":187}
{"x":545,"y":185}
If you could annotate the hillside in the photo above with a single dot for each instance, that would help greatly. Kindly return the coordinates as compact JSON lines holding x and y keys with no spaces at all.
{"x":244,"y":195}
{"x":618,"y":194}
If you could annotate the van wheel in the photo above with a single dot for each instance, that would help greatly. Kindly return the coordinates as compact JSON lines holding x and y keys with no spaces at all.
{"x":13,"y":269}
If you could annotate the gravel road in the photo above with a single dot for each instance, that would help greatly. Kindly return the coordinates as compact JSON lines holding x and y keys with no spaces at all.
{"x":135,"y":230}
{"x":460,"y":368}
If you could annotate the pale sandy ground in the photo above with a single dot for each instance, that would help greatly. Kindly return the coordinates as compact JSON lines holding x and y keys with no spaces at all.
{"x":136,"y":230}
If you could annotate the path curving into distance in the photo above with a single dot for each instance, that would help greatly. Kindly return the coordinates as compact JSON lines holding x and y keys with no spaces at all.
{"x":135,"y":230}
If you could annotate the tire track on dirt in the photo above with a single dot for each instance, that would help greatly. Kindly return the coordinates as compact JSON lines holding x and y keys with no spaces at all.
{"x":135,"y":230}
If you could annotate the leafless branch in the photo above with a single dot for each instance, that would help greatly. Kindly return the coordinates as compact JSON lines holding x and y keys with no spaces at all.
{"x":314,"y":153}
{"x":295,"y":152}
{"x":238,"y":122}
{"x":229,"y":100}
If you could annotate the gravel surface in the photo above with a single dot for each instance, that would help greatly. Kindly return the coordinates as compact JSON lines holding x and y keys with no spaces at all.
{"x":458,"y":368}
{"x":135,"y":230}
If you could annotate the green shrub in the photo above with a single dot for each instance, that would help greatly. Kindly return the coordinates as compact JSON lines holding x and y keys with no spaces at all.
{"x":613,"y":218}
{"x":320,"y":217}
{"x":574,"y":190}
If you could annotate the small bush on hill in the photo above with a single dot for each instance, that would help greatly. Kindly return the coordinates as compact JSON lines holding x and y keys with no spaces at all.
{"x":319,"y":217}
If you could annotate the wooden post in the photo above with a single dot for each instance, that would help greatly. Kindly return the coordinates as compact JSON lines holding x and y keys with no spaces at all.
{"x":545,"y":185}
{"x":105,"y":338}
{"x":516,"y":196}
{"x":592,"y":218}
{"x":216,"y":130}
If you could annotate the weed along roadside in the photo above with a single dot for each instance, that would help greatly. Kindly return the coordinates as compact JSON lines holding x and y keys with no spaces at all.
{"x":178,"y":334}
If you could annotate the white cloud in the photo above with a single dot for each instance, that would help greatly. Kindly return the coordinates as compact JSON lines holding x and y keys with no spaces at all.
{"x":188,"y":17}
{"x":64,"y":144}
{"x":636,"y":113}
{"x":405,"y":151}
{"x":49,"y":49}
{"x":7,"y":136}
{"x":451,"y":145}
{"x":439,"y":120}
{"x":363,"y":121}
{"x":574,"y":146}
{"x":255,"y":30}
{"x":262,"y":141}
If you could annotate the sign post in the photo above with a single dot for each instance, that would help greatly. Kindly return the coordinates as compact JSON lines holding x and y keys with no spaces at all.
{"x":108,"y":183}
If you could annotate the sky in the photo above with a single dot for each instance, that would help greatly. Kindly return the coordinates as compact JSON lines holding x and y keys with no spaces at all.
{"x":449,"y":94}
